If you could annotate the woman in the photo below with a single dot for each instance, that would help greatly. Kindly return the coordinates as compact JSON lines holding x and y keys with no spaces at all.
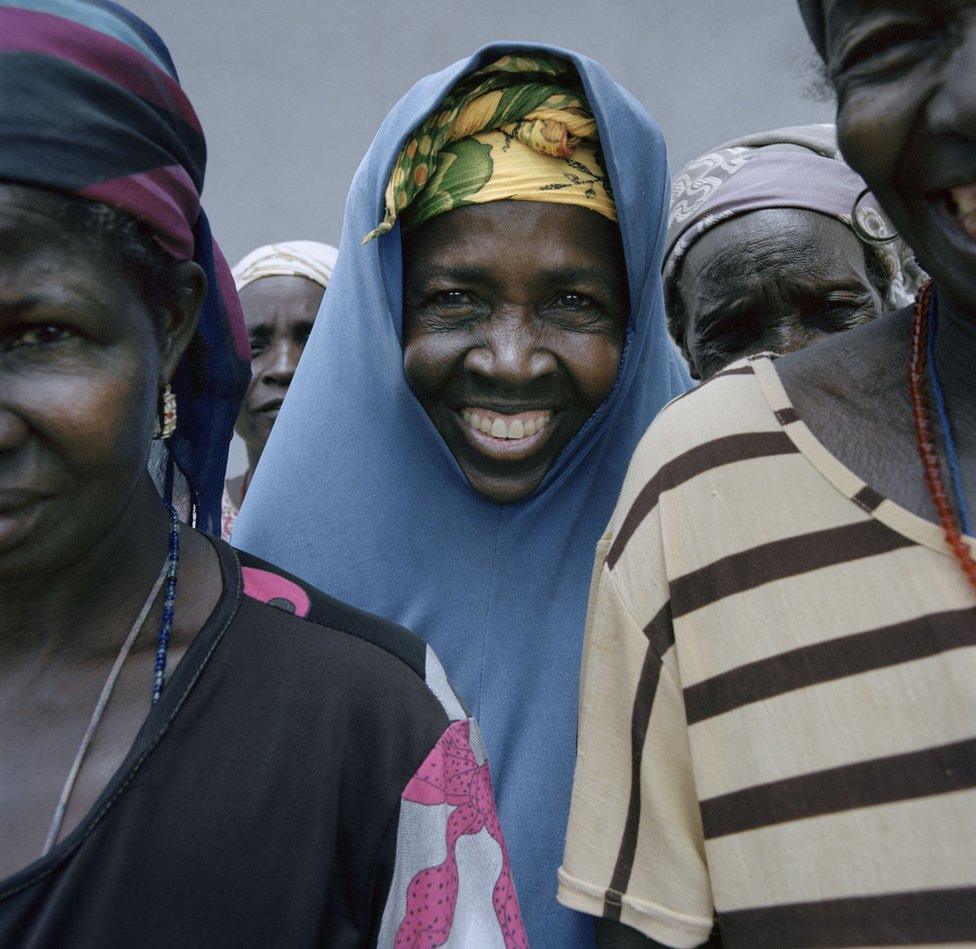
{"x":773,"y":244}
{"x":778,"y":725}
{"x":273,"y":766}
{"x":281,"y":288}
{"x":521,"y":286}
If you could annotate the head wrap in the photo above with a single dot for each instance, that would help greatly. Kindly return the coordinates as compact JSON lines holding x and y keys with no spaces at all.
{"x":813,"y":17}
{"x":798,"y":167}
{"x":91,"y":106}
{"x":519,"y":129}
{"x":308,"y":259}
{"x":358,"y":493}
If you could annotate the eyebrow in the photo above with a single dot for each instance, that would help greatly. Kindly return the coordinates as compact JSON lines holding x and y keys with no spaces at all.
{"x":21,"y":305}
{"x":467,"y":273}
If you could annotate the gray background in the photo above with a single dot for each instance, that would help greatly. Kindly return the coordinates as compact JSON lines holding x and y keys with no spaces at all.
{"x":290,"y":92}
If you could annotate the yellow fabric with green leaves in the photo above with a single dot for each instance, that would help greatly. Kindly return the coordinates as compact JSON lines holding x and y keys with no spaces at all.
{"x":519,"y":129}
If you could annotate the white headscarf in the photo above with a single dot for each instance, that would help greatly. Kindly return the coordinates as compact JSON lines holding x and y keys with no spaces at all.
{"x":308,"y":259}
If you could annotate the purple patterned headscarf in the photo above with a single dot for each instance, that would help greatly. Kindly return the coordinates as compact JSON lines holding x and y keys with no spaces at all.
{"x":798,"y":167}
{"x":90,"y":105}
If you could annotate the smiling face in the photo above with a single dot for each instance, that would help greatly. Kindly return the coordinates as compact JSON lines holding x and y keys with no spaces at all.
{"x":774,"y":280}
{"x":279,"y":313}
{"x":905,"y":75}
{"x":515,"y":314}
{"x":82,"y":358}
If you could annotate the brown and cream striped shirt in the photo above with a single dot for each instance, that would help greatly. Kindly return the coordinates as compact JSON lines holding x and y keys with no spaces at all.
{"x":778,"y":696}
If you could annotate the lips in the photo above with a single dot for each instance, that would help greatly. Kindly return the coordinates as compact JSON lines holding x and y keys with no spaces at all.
{"x":270,"y":407}
{"x":13,"y":501}
{"x":505,"y":436}
{"x":19,"y":512}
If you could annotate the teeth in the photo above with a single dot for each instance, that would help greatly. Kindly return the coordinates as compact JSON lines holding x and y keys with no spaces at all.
{"x":498,"y":426}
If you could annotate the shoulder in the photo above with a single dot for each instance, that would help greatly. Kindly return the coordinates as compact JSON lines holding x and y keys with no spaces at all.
{"x":863,"y":359}
{"x":731,"y":402}
{"x":728,"y":418}
{"x":371,"y":660}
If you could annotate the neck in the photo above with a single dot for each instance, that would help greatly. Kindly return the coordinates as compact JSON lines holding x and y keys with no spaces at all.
{"x":253,"y":456}
{"x":955,"y":355}
{"x":85,"y":608}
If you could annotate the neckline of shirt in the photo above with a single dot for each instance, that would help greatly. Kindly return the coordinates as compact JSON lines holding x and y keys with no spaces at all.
{"x":154,"y":726}
{"x":888,"y":512}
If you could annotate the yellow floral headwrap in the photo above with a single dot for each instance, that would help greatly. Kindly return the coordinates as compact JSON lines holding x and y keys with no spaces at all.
{"x":519,"y":129}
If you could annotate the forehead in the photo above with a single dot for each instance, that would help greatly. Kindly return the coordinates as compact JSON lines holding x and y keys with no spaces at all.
{"x":774,"y":243}
{"x":280,"y":299}
{"x":515,"y":235}
{"x":37,"y":252}
{"x":843,"y":16}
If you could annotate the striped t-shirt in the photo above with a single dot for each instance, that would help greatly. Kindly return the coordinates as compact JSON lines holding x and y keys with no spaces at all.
{"x":778,"y":695}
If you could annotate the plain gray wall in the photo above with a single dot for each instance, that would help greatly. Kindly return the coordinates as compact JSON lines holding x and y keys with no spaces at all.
{"x":291,"y":92}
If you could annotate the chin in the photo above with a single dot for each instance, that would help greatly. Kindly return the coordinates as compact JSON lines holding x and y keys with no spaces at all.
{"x":499,"y":491}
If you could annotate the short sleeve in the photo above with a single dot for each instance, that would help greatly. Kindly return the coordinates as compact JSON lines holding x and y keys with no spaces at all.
{"x":452,"y":879}
{"x":635,"y":848}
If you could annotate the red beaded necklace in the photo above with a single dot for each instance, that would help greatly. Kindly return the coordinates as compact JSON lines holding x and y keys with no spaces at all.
{"x":918,"y":393}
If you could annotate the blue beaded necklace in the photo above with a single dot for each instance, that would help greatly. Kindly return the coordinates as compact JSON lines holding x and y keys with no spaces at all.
{"x":169,"y":599}
{"x":939,"y":401}
{"x":167,"y":576}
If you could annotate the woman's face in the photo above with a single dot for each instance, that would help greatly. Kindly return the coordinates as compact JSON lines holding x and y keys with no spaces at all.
{"x":279,"y":312}
{"x":514,"y":320}
{"x":774,"y":280}
{"x":81,"y":363}
{"x":905,"y":75}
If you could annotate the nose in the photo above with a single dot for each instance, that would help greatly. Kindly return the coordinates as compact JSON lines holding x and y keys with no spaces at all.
{"x":953,"y":106}
{"x":511,"y":354}
{"x":282,"y":361}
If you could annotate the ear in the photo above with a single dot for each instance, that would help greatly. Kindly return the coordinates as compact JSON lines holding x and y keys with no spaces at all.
{"x":182,"y":316}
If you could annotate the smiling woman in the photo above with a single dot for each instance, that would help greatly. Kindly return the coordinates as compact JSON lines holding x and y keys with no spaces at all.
{"x":511,"y":353}
{"x":479,"y":374}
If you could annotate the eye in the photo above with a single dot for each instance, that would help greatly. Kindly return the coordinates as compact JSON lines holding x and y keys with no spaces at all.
{"x":571,"y":300}
{"x":258,"y":346}
{"x":842,"y":308}
{"x":47,"y":334}
{"x":451,"y":298}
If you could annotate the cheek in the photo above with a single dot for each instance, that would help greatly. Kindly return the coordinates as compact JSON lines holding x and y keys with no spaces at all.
{"x":872,"y":128}
{"x":429,"y":360}
{"x":97,"y":421}
{"x":593,"y":362}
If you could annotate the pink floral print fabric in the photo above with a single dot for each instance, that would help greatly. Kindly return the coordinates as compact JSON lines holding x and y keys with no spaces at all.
{"x":452,"y":775}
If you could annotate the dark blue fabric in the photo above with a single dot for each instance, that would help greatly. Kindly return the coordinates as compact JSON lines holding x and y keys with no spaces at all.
{"x":358,"y":494}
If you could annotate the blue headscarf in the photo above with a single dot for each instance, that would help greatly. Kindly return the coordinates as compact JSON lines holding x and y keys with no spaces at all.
{"x":357,"y":492}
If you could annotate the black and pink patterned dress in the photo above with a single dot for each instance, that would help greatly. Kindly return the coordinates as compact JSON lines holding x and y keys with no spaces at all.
{"x":308,"y":777}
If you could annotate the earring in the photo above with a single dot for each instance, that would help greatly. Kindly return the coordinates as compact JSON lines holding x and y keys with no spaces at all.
{"x":869,"y":223}
{"x":167,"y":413}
